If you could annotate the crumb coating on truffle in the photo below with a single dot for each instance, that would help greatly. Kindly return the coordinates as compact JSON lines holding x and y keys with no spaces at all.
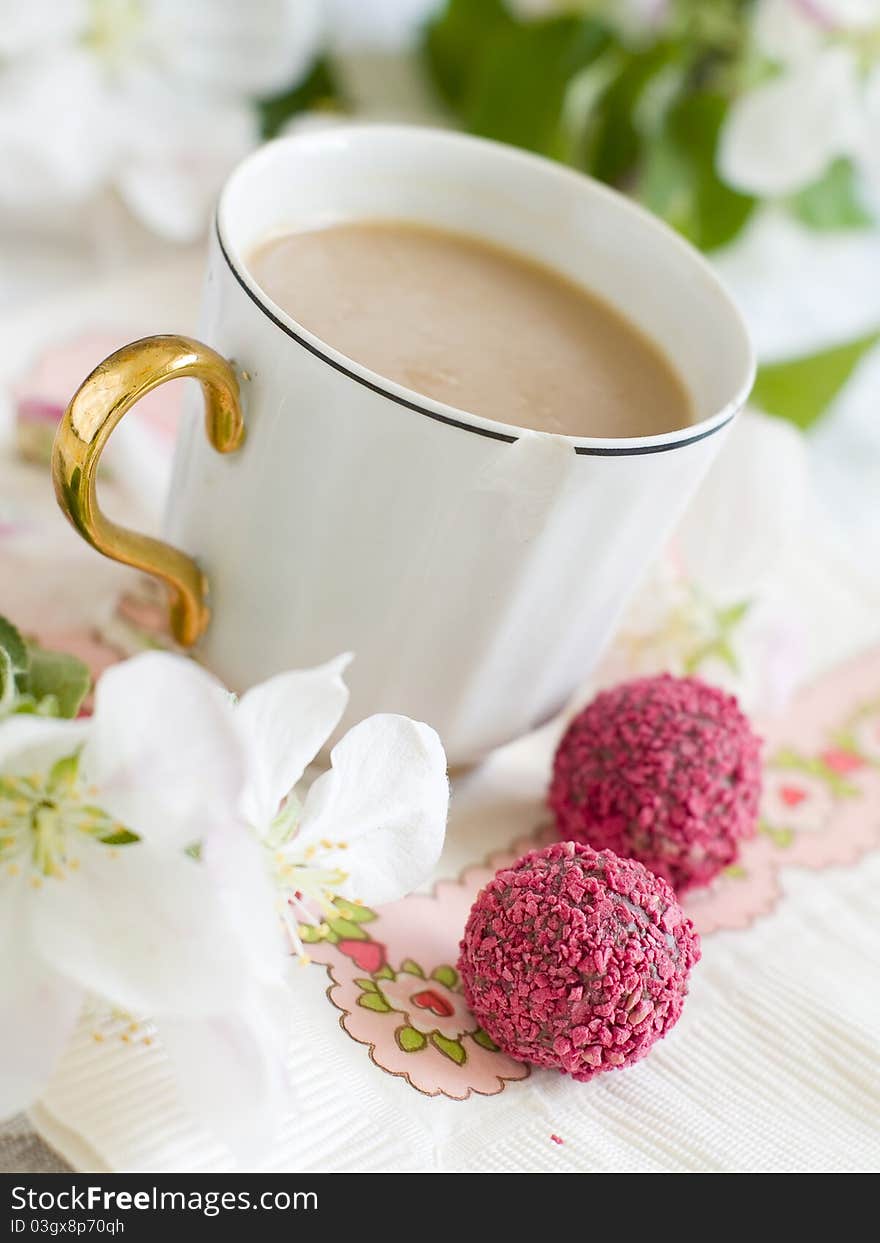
{"x":575,"y":959}
{"x":665,"y":770}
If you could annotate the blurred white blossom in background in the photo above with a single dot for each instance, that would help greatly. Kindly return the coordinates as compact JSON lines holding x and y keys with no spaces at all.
{"x":716,"y":605}
{"x":393,"y":25}
{"x":822,"y":102}
{"x":155,"y":98}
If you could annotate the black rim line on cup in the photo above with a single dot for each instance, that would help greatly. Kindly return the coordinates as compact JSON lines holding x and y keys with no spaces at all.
{"x":585,"y":450}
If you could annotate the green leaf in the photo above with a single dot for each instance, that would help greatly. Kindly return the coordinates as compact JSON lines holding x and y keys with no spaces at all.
{"x":520,"y":92}
{"x":385,"y":973}
{"x":456,"y":41}
{"x":452,"y":1049}
{"x":318,"y":90}
{"x":410,"y":1040}
{"x":58,"y":674}
{"x":121,"y":837}
{"x":412,"y":968}
{"x":374,"y":1001}
{"x":357,"y":914}
{"x":446,"y":975}
{"x":833,"y":201}
{"x":615,"y":138}
{"x":14,"y":645}
{"x":801,"y":389}
{"x":679,"y":181}
{"x":779,"y":837}
{"x":484,"y":1040}
{"x":722,"y":651}
{"x":368,"y":986}
{"x":63,"y":773}
{"x":347,"y":930}
{"x":733,"y":614}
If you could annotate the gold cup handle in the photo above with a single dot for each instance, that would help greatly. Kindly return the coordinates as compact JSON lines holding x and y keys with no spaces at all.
{"x":97,"y":406}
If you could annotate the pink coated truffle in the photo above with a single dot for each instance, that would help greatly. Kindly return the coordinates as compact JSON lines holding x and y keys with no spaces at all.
{"x":665,"y":770}
{"x":577,"y":960}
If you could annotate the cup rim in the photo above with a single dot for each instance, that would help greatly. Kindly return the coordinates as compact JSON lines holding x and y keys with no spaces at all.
{"x":420,"y":403}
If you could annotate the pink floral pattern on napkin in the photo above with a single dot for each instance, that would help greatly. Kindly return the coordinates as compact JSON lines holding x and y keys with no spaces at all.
{"x":821,"y":799}
{"x":393,"y":978}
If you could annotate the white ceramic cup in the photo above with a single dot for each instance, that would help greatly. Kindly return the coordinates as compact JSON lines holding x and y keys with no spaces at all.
{"x":475,"y":570}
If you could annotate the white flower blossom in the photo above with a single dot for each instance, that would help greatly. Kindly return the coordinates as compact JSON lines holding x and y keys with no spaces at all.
{"x":155,"y":98}
{"x":711,"y":607}
{"x":139,"y":924}
{"x":821,"y":102}
{"x":369,"y":829}
{"x":195,"y":943}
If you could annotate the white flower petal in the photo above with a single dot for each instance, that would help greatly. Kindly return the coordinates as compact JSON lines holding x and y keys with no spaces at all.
{"x":781,"y":136}
{"x":51,"y":151}
{"x":163,"y":749}
{"x":231,"y":1069}
{"x":142,"y":928}
{"x":38,"y":1007}
{"x":386,"y":796}
{"x":237,"y":866}
{"x":258,"y":48}
{"x":786,"y":32}
{"x":749,"y":511}
{"x":285,"y":722}
{"x":32,"y":744}
{"x":867,"y":146}
{"x":637,"y":19}
{"x":38,"y":24}
{"x":391,"y":25}
{"x":180,"y":146}
{"x":845,"y":14}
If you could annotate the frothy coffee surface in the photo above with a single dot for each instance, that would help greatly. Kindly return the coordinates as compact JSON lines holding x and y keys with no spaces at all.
{"x":474,"y":325}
